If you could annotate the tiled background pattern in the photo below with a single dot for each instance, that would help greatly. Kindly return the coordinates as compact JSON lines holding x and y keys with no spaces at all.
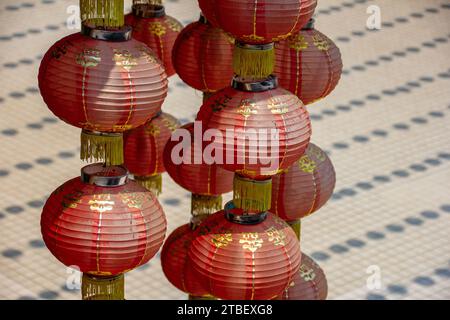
{"x":385,"y":127}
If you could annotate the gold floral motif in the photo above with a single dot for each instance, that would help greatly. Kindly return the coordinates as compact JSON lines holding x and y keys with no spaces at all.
{"x":89,"y":58}
{"x":276,"y":236}
{"x":125,"y":59}
{"x":321,"y":42}
{"x":152,"y":130}
{"x":157,"y":29}
{"x":173,"y":24}
{"x":171,"y":125}
{"x":133,"y":200}
{"x":72,"y":200}
{"x":251,"y":241}
{"x":101,"y":203}
{"x":306,"y":164}
{"x":247,"y":108}
{"x":147,"y":54}
{"x":297,"y":42}
{"x":221,"y":240}
{"x":307,"y":274}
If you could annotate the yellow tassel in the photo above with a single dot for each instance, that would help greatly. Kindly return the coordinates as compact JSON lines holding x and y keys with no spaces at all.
{"x":252,"y":195}
{"x":152,"y":183}
{"x":103,"y":288}
{"x":253,"y":61}
{"x":296,"y":225}
{"x":205,"y":205}
{"x":103,"y":13}
{"x":103,"y":147}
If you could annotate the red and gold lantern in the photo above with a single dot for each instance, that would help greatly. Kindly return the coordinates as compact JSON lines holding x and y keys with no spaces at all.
{"x":308,"y":64}
{"x":105,"y":225}
{"x":202,"y":56}
{"x":244,"y":256}
{"x":157,"y":30}
{"x":143,"y":150}
{"x":175,"y":264}
{"x":102,"y":81}
{"x":304,"y":187}
{"x":309,"y":283}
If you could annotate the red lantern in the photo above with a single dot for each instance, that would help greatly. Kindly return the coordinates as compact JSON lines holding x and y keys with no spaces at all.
{"x":202,"y":56}
{"x":251,"y":257}
{"x":175,"y":264}
{"x":157,"y":30}
{"x":261,"y":21}
{"x":249,"y":107}
{"x":103,"y":87}
{"x":305,"y":187}
{"x":102,"y":223}
{"x":308,"y":64}
{"x":309,"y":283}
{"x":143,"y":150}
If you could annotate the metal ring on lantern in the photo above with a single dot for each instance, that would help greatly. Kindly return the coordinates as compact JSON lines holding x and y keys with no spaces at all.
{"x":99,"y":175}
{"x":119,"y":35}
{"x":237,"y":215}
{"x":148,"y":10}
{"x":270,"y":83}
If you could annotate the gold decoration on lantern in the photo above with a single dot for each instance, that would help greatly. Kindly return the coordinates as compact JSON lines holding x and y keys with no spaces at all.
{"x":102,"y":287}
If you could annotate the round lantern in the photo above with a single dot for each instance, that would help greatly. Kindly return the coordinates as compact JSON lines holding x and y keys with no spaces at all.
{"x":244,"y":111}
{"x":308,"y":64}
{"x":309,"y":283}
{"x":143,"y":150}
{"x":244,"y":257}
{"x":105,"y":83}
{"x":207,"y":182}
{"x":103,"y":224}
{"x":157,"y":30}
{"x":261,"y":21}
{"x":175,"y":264}
{"x":305,"y":187}
{"x":202,"y":56}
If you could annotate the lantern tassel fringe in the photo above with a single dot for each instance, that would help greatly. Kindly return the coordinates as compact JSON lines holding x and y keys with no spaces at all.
{"x":102,"y":147}
{"x":103,"y":288}
{"x":152,"y":183}
{"x":202,"y":205}
{"x":253,"y":63}
{"x":103,"y":13}
{"x":296,"y":225}
{"x":252,"y":195}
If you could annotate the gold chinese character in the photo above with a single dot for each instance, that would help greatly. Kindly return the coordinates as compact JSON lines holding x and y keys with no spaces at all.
{"x":306,"y":164}
{"x":221,"y":240}
{"x":72,"y":200}
{"x":276,"y":236}
{"x":321,"y":42}
{"x":101,"y":203}
{"x":125,"y":59}
{"x":173,"y":24}
{"x":297,"y":42}
{"x":251,"y":241}
{"x":277,"y":108}
{"x":89,"y":58}
{"x":157,"y":29}
{"x":307,"y":274}
{"x":247,"y":108}
{"x":133,"y":200}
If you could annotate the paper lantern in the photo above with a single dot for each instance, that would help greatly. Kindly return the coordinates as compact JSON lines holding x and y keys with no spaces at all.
{"x":309,"y":283}
{"x":308,"y":64}
{"x":202,"y":56}
{"x":249,"y":107}
{"x":244,"y":257}
{"x":305,"y":187}
{"x":103,"y":224}
{"x":206,"y":182}
{"x":143,"y":150}
{"x":175,"y":264}
{"x":157,"y":30}
{"x":103,"y":87}
{"x":261,"y":21}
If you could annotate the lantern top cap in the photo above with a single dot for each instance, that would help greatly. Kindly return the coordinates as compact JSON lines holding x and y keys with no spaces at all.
{"x":251,"y":85}
{"x":102,"y":176}
{"x":145,"y":10}
{"x":309,"y":25}
{"x":240,"y":216}
{"x":119,"y":35}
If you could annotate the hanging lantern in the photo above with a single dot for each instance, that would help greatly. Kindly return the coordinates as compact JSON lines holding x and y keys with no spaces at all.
{"x":157,"y":30}
{"x":202,"y":56}
{"x":102,"y":81}
{"x":309,"y":283}
{"x":244,"y":256}
{"x":105,"y":225}
{"x":256,"y":25}
{"x":308,"y":64}
{"x":175,"y":264}
{"x":206,"y":182}
{"x":143,"y":150}
{"x":271,"y":130}
{"x":305,"y":187}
